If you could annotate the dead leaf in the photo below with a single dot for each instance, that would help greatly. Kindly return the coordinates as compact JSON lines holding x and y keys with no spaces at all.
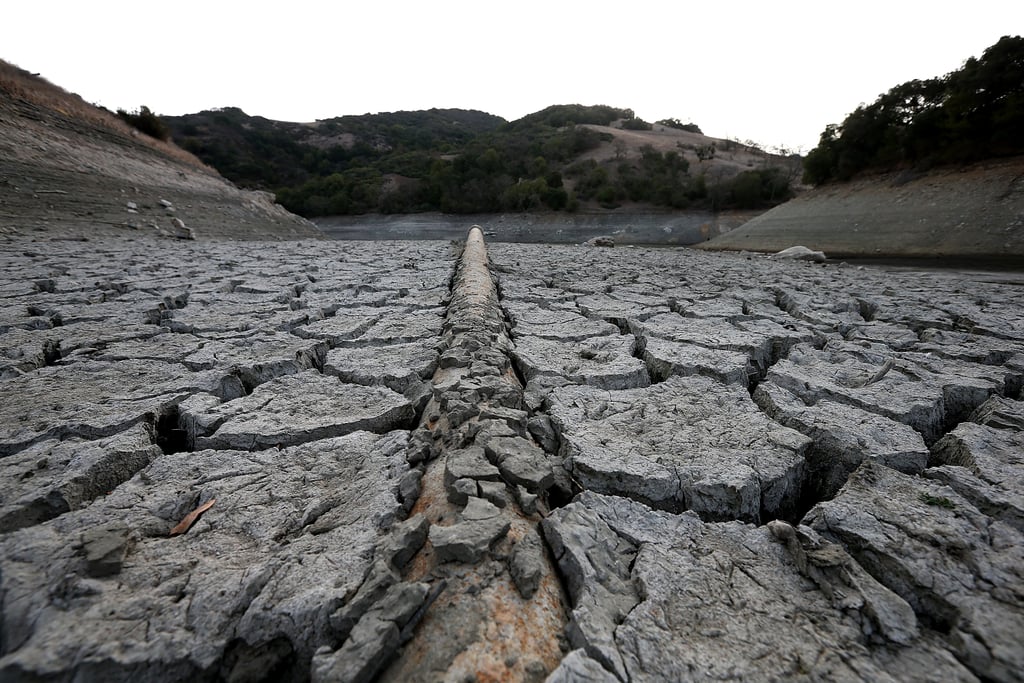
{"x":190,"y":519}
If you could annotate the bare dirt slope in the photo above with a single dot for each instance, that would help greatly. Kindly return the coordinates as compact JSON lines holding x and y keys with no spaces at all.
{"x":975,"y":212}
{"x":70,"y":169}
{"x":728,"y":158}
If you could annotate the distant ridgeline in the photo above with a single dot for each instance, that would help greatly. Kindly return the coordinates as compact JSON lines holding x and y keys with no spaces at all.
{"x":974,"y":113}
{"x":459,"y":161}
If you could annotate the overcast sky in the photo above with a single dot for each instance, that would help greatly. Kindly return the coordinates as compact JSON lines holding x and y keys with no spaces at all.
{"x":774,"y":72}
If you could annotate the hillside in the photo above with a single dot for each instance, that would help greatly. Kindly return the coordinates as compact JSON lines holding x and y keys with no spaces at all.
{"x":565,"y":157}
{"x":974,"y":212}
{"x":68,"y":168}
{"x":261,"y":153}
{"x":932,"y":168}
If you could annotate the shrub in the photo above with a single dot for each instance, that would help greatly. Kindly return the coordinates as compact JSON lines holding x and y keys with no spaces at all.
{"x":145,"y":121}
{"x":636,"y":124}
{"x":679,"y":125}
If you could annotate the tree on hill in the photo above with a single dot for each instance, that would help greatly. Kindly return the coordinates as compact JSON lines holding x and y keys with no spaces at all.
{"x":679,"y":125}
{"x":145,"y":121}
{"x":454,"y":161}
{"x":560,"y":115}
{"x":974,"y":113}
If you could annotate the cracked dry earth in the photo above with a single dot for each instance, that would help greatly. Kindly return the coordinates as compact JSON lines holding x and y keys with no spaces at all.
{"x":420,"y":461}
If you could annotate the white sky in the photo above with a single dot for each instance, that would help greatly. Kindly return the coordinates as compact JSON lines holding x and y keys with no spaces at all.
{"x":776,"y":72}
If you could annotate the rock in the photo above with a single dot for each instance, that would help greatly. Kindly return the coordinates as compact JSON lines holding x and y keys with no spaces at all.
{"x":984,"y":465}
{"x":181,"y":231}
{"x":390,"y":556}
{"x":460,"y":491}
{"x":842,"y":437}
{"x":105,"y":547}
{"x":374,"y":639}
{"x":493,"y":492}
{"x":468,"y":463}
{"x":247,"y":569}
{"x":527,"y":564}
{"x":660,"y":597}
{"x":477,"y":529}
{"x":600,"y":242}
{"x":541,"y":429}
{"x":800,"y":253}
{"x":409,"y":488}
{"x":55,"y":476}
{"x":521,"y":463}
{"x":527,"y":501}
{"x":304,"y":407}
{"x":960,"y":570}
{"x":577,"y":667}
{"x":514,"y":418}
{"x":688,"y":443}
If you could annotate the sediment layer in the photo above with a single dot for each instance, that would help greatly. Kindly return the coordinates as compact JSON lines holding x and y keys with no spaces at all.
{"x":961,"y":214}
{"x":411,"y":461}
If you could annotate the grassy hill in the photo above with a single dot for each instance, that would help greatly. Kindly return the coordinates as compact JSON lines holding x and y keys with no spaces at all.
{"x":565,"y":157}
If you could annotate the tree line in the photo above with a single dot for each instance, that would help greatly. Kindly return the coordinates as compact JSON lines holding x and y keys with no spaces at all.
{"x":458,"y":161}
{"x":973,"y":113}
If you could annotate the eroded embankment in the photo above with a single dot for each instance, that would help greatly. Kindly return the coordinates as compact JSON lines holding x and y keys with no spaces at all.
{"x":965,"y":215}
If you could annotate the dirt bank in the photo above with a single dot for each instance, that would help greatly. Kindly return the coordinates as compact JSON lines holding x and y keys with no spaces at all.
{"x":971,"y":213}
{"x":69,"y":169}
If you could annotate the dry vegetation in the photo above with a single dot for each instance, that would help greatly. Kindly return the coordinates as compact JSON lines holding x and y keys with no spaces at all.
{"x":730,"y":157}
{"x":69,"y":169}
{"x":16,"y":84}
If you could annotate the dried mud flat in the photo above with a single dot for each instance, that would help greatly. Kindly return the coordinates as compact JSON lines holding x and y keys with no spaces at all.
{"x":353,"y":461}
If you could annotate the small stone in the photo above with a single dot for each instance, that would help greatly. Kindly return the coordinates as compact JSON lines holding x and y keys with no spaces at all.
{"x":493,"y":491}
{"x":801,"y":253}
{"x":409,"y":488}
{"x":469,"y":463}
{"x":542,"y":430}
{"x":469,"y":540}
{"x":460,"y":490}
{"x":527,"y":501}
{"x":527,"y":564}
{"x":105,"y":548}
{"x":478,"y":508}
{"x":521,"y":463}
